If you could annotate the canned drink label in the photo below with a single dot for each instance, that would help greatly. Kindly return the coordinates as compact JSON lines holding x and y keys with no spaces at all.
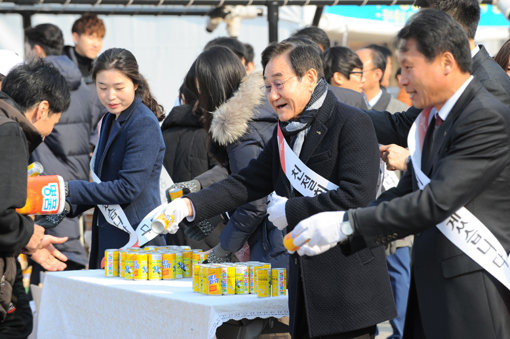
{"x":140,"y":271}
{"x":213,"y":280}
{"x":196,"y":278}
{"x":186,"y":260}
{"x":155,"y":266}
{"x":111,"y":267}
{"x":45,"y":195}
{"x":122,"y":263}
{"x":130,"y":265}
{"x":203,"y":279}
{"x":278,"y":282}
{"x":242,"y":280}
{"x":228,"y":280}
{"x":263,"y":278}
{"x":179,"y":266}
{"x":168,"y":265}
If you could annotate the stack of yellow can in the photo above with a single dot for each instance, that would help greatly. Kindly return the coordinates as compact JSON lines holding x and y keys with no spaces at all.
{"x":239,"y":278}
{"x":152,"y":263}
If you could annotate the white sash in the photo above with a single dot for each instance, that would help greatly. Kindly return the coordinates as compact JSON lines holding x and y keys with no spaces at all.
{"x":463,"y":228}
{"x":303,"y":179}
{"x":115,"y":216}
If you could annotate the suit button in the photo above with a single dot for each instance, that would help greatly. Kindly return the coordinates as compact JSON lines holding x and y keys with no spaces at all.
{"x":295,"y":261}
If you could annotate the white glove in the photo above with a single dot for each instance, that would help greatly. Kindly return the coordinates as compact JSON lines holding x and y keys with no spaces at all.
{"x":314,"y":250}
{"x":276,"y":210}
{"x":318,"y":233}
{"x":178,"y":210}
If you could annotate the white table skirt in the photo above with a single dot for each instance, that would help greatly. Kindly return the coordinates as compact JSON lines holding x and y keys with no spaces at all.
{"x":86,"y":304}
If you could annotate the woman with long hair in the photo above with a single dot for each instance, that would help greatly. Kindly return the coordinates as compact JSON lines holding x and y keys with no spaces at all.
{"x":126,"y":164}
{"x":239,"y":126}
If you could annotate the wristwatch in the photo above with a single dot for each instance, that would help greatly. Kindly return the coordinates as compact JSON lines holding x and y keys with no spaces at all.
{"x":346,"y":228}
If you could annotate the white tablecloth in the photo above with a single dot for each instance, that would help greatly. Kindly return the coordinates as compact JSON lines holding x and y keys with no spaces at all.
{"x":86,"y":304}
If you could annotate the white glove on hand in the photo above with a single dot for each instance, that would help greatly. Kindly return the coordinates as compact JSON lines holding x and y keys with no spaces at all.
{"x":276,"y":210}
{"x":318,"y":233}
{"x":314,"y":250}
{"x":178,"y":210}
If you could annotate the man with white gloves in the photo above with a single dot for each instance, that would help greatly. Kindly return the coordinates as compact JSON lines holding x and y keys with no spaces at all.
{"x":322,"y":157}
{"x":454,"y":196}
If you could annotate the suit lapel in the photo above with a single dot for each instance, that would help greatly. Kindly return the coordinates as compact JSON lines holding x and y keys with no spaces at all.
{"x":383,"y":101}
{"x":436,"y":148}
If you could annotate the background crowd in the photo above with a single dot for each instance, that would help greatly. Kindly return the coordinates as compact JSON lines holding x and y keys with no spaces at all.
{"x":91,"y":118}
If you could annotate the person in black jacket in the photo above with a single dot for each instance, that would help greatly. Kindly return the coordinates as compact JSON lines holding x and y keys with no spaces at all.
{"x":31,"y":101}
{"x":393,"y":128}
{"x":333,"y":294}
{"x":187,"y":156}
{"x":239,"y":127}
{"x":66,"y":150}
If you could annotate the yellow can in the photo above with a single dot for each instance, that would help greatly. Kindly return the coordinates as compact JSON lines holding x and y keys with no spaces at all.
{"x":111,"y":266}
{"x":278,"y":282}
{"x":213,"y":281}
{"x":140,"y":271}
{"x":130,"y":265}
{"x":186,"y":267}
{"x":203,"y":278}
{"x":179,"y":265}
{"x":228,"y":279}
{"x":263,"y":282}
{"x":161,"y":223}
{"x":242,"y":279}
{"x":134,"y":249}
{"x":155,"y":266}
{"x":168,"y":265}
{"x":122,"y":262}
{"x":197,"y":275}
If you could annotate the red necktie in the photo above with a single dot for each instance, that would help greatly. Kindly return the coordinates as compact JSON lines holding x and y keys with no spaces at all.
{"x":439,"y":121}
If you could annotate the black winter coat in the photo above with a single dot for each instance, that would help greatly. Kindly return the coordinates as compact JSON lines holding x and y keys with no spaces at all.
{"x":186,"y":154}
{"x":18,"y":138}
{"x":341,"y":293}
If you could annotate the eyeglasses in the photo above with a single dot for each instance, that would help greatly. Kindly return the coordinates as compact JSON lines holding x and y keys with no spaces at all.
{"x":359,"y":73}
{"x":277,"y":84}
{"x":368,"y":70}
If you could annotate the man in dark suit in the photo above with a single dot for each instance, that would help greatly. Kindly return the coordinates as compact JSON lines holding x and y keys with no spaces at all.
{"x":393,"y":128}
{"x":332,"y":141}
{"x":462,"y":169}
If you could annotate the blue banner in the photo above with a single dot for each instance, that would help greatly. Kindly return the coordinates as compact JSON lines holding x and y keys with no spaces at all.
{"x":398,"y":14}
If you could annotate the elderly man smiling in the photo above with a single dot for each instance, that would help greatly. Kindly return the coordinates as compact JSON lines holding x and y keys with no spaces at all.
{"x":323,"y":157}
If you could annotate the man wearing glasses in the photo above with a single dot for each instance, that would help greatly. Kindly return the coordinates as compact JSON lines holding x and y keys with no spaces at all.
{"x":374,"y":64}
{"x":323,"y":157}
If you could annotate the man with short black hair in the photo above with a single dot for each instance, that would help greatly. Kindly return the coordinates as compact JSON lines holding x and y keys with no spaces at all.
{"x":65,"y":151}
{"x":454,"y":197}
{"x":233,"y":44}
{"x":317,"y":35}
{"x":387,"y":55}
{"x":32,"y":100}
{"x":320,"y":39}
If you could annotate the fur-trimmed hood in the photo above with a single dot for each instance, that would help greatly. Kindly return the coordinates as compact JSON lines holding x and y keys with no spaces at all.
{"x":230,"y":120}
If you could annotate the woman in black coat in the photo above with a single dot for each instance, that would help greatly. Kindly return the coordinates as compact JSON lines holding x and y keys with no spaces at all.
{"x":239,"y":126}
